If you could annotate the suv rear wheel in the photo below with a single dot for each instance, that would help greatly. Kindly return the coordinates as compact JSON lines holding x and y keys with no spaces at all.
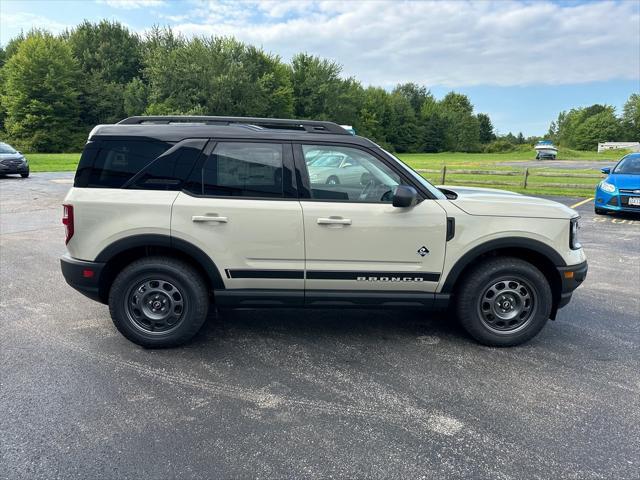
{"x":504,"y":302}
{"x":158,"y":302}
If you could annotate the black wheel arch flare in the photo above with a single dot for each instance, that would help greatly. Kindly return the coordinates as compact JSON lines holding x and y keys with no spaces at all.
{"x":117,"y":254}
{"x":539,"y":254}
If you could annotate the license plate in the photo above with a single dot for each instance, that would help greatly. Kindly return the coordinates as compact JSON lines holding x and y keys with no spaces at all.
{"x":635,"y":201}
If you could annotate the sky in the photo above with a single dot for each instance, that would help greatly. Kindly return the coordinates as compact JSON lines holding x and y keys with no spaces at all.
{"x":520,"y":61}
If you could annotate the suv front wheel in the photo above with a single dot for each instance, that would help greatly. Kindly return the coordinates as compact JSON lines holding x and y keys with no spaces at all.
{"x":504,"y":302}
{"x":158,"y":302}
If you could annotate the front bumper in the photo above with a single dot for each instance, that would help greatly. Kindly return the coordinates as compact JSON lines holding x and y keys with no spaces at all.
{"x":615,"y":202}
{"x":14,"y":168}
{"x":571,"y":277}
{"x":83,"y":276}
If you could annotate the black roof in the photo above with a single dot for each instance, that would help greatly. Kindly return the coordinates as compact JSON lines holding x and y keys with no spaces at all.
{"x":177,"y":128}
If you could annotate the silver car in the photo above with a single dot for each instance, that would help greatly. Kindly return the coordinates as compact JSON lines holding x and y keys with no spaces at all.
{"x":336,"y":169}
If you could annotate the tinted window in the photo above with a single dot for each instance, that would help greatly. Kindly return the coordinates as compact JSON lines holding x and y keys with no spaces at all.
{"x":111,"y":163}
{"x":348,"y":174}
{"x":169,"y":171}
{"x":242,"y":169}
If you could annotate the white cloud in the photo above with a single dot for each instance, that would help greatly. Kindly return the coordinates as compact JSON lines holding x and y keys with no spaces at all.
{"x":450,"y":43}
{"x":133,"y":4}
{"x":14,"y":23}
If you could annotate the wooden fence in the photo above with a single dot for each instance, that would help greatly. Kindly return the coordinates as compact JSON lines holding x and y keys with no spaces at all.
{"x":525,"y":176}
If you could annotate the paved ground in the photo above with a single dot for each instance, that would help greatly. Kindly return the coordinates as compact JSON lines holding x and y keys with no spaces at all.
{"x":274,"y":394}
{"x":595,"y":165}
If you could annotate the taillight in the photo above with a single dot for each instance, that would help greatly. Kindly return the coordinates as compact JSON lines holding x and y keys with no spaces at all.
{"x":67,"y":221}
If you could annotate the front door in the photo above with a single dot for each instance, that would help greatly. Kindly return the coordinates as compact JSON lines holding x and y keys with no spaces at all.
{"x":355,"y":239}
{"x":240,"y":207}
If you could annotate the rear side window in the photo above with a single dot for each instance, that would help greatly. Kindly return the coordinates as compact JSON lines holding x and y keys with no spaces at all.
{"x":171,"y":169}
{"x":242,"y":170}
{"x":112,"y":163}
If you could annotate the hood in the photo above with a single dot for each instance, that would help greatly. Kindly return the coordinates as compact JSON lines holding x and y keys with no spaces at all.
{"x":10,"y":156}
{"x":622,"y":180}
{"x":502,"y":203}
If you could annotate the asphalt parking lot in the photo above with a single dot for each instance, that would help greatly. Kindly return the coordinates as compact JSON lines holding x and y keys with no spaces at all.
{"x":311,"y":394}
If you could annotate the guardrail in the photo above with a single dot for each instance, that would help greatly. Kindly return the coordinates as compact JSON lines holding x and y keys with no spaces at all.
{"x":524,"y":174}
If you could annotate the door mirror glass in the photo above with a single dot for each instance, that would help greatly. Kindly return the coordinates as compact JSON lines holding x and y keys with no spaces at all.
{"x":606,"y":170}
{"x":405,"y":196}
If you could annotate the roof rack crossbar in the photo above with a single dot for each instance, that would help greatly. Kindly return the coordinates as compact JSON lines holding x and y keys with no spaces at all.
{"x":310,"y":126}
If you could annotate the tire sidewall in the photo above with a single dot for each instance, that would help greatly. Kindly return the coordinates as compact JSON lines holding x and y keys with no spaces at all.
{"x":192,"y":316}
{"x":490,"y":272}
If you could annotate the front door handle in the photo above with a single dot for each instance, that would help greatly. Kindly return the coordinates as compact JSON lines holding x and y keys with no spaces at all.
{"x":334,"y":221}
{"x":209,"y":218}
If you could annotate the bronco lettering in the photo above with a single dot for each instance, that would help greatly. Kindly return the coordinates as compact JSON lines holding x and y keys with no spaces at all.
{"x":390,"y":279}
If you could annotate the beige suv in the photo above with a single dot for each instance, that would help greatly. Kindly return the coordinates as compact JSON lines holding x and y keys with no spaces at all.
{"x":171,"y":215}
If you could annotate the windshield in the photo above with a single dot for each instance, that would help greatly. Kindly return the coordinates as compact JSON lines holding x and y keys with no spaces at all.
{"x":628,"y":165}
{"x":4,"y":148}
{"x":423,"y":181}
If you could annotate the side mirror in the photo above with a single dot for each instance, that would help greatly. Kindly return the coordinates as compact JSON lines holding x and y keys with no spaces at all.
{"x":606,"y":170}
{"x":405,"y":196}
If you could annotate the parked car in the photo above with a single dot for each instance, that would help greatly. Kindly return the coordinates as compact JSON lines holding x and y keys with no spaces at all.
{"x":169,"y":214}
{"x":335,"y":168}
{"x":620,"y":190}
{"x":12,"y":161}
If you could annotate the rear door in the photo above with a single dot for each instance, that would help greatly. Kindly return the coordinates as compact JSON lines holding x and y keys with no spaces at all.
{"x":240,"y":207}
{"x":355,"y":239}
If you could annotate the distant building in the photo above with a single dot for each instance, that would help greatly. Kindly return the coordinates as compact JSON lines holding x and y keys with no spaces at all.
{"x":633,"y":146}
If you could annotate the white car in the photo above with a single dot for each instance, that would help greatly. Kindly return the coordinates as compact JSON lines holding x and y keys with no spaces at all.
{"x":170,"y":215}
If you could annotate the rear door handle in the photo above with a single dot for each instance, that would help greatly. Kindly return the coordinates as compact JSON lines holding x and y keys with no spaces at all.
{"x":334,"y":221}
{"x":209,"y":218}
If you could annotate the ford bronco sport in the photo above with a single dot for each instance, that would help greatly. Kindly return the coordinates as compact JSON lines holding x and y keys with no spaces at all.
{"x":170,"y":215}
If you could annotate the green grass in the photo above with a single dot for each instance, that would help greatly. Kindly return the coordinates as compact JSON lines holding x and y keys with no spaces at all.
{"x":496,"y":161}
{"x":426,"y":160}
{"x":59,"y":162}
{"x":52,"y":162}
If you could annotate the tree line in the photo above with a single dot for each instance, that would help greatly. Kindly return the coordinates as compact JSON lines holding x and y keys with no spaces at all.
{"x":55,"y":88}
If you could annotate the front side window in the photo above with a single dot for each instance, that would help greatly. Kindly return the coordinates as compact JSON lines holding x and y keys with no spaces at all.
{"x":348,"y":174}
{"x":236,"y":169}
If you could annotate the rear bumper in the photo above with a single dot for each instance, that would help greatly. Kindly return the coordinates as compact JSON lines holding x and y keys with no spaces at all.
{"x":82,"y":275}
{"x":571,"y":278}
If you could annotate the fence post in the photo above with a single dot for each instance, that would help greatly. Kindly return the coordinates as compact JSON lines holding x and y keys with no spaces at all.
{"x":526,"y":177}
{"x":444,"y":174}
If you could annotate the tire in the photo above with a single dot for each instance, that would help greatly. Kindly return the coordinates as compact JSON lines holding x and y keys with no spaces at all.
{"x":600,"y":211}
{"x":503,"y":282}
{"x":158,"y":302}
{"x":333,"y":180}
{"x":24,"y":175}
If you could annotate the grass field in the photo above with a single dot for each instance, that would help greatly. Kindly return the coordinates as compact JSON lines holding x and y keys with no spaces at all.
{"x":52,"y":162}
{"x":505,"y":162}
{"x":58,"y":162}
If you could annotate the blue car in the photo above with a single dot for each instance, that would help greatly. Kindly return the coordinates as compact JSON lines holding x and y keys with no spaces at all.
{"x":620,"y":191}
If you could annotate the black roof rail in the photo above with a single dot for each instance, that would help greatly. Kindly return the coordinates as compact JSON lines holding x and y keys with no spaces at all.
{"x":309,"y":126}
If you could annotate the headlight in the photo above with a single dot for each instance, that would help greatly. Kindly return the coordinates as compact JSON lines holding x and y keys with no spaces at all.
{"x":574,"y":228}
{"x":607,"y":187}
